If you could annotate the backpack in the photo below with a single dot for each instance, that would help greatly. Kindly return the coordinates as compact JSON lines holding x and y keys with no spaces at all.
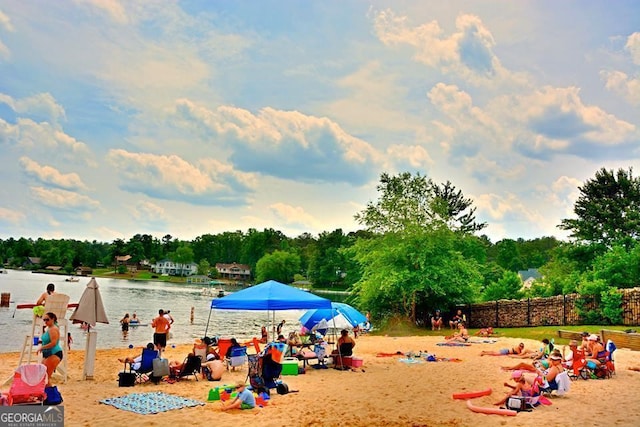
{"x":53,"y":396}
{"x":516,"y":403}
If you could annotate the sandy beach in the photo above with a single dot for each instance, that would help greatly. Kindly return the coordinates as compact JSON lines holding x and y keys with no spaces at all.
{"x":383,"y":392}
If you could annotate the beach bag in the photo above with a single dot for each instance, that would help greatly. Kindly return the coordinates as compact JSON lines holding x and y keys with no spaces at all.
{"x":282,"y":388}
{"x":160,"y":367}
{"x":53,"y":396}
{"x":126,"y":379}
{"x":516,"y":403}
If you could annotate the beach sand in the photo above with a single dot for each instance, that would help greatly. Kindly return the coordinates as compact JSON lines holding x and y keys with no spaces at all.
{"x":383,"y":392}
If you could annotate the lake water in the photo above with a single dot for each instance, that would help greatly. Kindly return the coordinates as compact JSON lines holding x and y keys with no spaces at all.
{"x":124,"y":296}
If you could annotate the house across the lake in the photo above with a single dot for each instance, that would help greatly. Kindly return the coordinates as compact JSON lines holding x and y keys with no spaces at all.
{"x":170,"y":268}
{"x":234,"y":271}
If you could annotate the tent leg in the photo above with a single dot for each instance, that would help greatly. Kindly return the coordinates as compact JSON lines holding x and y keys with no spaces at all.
{"x":207,"y":327}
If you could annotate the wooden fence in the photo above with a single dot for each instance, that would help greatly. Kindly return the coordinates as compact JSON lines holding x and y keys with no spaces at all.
{"x":558,"y":310}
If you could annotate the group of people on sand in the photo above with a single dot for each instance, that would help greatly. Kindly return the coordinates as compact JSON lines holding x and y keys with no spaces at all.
{"x":547,"y":371}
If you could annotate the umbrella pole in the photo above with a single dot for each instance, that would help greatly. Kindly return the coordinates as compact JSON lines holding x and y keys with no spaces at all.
{"x":209,"y":318}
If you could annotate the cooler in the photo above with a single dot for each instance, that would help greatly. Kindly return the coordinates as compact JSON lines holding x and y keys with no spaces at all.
{"x":356,"y":362}
{"x":290,"y":366}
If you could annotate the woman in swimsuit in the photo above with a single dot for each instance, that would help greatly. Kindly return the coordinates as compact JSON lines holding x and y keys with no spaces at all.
{"x":504,"y":351}
{"x":50,"y":348}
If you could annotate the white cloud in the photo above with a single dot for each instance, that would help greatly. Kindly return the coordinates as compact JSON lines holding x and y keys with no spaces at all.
{"x":42,"y":104}
{"x":31,"y":135}
{"x":633,"y":46}
{"x":171,"y":177}
{"x":414,"y":156}
{"x":51,"y":175}
{"x":622,"y":84}
{"x":114,"y":9}
{"x":467,"y":52}
{"x":11,"y":216}
{"x":293,"y":216}
{"x":63,"y":199}
{"x":285,"y":144}
{"x":5,"y":23}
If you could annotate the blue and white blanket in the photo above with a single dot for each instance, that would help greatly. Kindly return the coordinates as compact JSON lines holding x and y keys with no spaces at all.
{"x":150,"y":403}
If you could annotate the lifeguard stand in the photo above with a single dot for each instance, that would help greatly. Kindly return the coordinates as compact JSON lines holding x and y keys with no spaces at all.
{"x":58,"y":305}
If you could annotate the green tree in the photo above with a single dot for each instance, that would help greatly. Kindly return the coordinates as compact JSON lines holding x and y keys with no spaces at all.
{"x":508,"y":287}
{"x":607,"y":210}
{"x":183,"y":256}
{"x":404,"y":201}
{"x":403,"y":273}
{"x":508,"y":255}
{"x":454,"y":209}
{"x":278,"y":265}
{"x":204,"y":267}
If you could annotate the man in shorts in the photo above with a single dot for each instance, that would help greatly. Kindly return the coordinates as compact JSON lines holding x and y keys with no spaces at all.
{"x":161,"y":326}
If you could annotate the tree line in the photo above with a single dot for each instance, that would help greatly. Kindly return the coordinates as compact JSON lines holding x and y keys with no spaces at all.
{"x":420,"y":248}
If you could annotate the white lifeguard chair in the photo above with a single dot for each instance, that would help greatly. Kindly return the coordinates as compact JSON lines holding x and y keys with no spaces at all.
{"x":57,"y":304}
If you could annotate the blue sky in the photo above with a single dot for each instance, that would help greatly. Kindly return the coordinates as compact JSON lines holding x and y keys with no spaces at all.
{"x":194,"y":117}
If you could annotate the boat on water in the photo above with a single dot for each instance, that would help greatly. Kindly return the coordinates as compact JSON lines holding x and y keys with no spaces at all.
{"x":71,"y":279}
{"x":213,"y":292}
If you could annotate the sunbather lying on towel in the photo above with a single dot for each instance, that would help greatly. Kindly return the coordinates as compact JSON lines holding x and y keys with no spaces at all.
{"x":506,"y":351}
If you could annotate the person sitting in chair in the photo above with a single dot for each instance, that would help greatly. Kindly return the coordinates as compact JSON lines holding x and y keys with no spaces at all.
{"x":136,"y":362}
{"x":345,"y":344}
{"x":234,"y":344}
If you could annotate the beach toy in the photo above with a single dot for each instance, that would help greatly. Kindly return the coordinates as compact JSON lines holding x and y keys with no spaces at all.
{"x":224,"y":396}
{"x":130,"y":345}
{"x":214,"y":394}
{"x":265,"y":396}
{"x":495,"y":411}
{"x":472,"y":394}
{"x":38,"y":310}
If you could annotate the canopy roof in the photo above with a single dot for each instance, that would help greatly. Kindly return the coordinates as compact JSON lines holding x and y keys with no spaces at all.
{"x":270,"y":295}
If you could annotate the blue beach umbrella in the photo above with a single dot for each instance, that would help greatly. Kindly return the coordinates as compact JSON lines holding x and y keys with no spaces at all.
{"x":313,"y":317}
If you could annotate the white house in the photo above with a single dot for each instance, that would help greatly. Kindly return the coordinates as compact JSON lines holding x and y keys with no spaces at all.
{"x":166,"y":266}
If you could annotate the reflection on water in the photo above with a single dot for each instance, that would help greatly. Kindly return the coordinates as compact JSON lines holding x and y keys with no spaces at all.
{"x":123,"y":296}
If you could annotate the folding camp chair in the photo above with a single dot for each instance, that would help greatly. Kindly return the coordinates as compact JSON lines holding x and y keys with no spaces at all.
{"x":238,"y":357}
{"x":146,"y":365}
{"x":191,"y":366}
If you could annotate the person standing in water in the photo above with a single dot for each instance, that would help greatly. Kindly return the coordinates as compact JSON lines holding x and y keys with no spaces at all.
{"x":124,"y":322}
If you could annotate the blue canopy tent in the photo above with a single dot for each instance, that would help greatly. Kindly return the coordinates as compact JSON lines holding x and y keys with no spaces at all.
{"x":312,"y":317}
{"x":270,"y":296}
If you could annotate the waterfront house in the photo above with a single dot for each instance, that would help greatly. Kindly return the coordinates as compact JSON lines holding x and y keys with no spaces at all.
{"x":170,"y":268}
{"x":234,"y":271}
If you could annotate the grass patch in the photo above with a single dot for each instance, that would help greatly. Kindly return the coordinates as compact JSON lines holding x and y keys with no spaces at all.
{"x":397,"y":327}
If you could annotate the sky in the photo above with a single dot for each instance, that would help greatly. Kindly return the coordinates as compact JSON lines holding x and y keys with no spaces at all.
{"x":199,"y":117}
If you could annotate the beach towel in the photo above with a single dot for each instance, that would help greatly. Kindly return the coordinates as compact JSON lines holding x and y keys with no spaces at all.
{"x":397,"y":353}
{"x":150,"y":403}
{"x":454,"y":344}
{"x":485,"y":341}
{"x":409,"y":361}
